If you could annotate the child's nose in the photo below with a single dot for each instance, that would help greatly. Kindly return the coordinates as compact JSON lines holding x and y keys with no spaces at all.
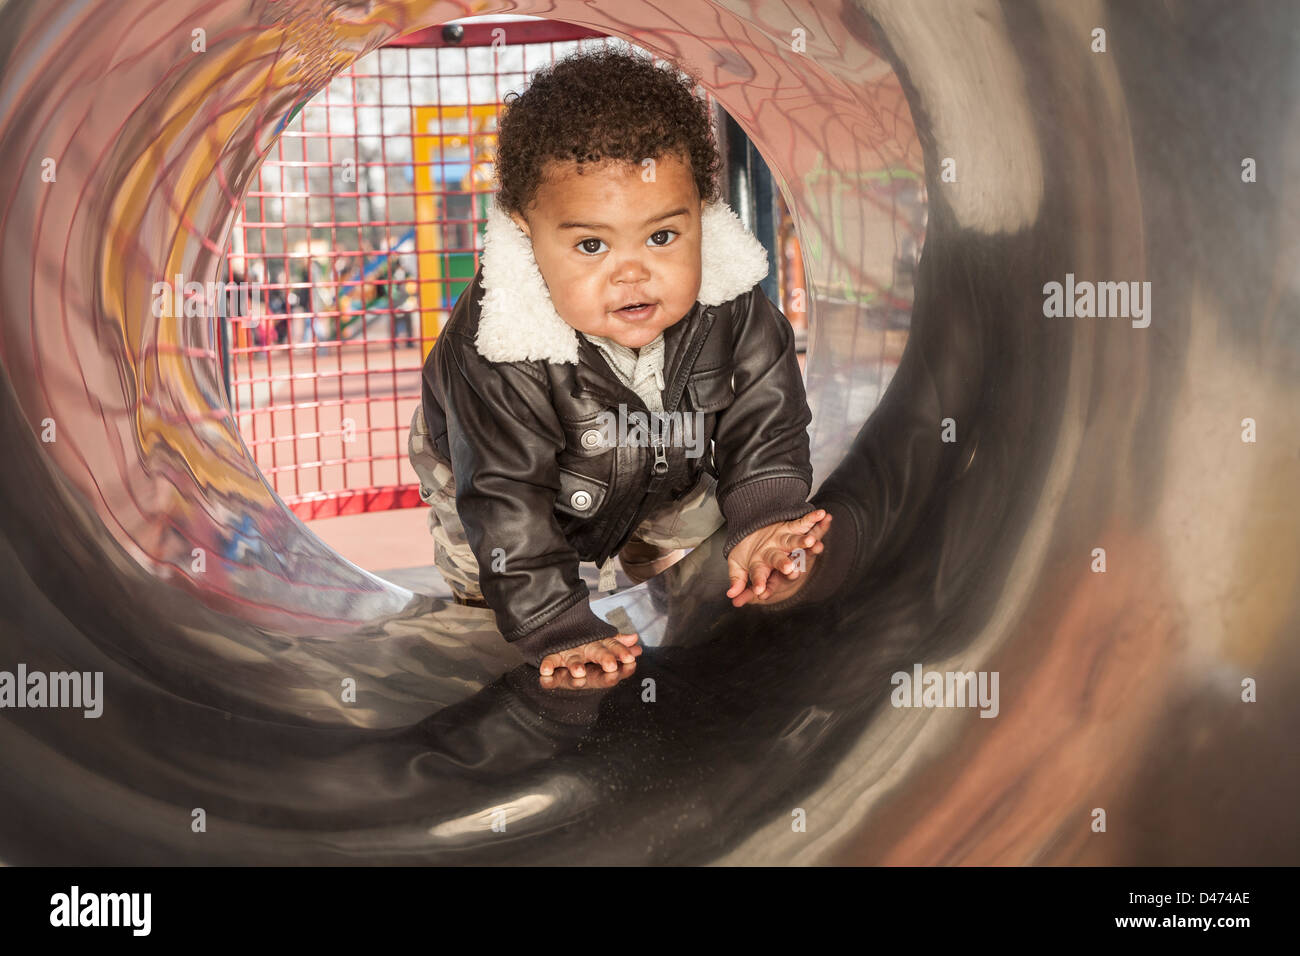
{"x":631,"y":267}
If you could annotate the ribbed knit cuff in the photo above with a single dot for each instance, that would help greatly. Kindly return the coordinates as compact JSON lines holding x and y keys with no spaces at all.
{"x":573,"y":627}
{"x":761,"y":503}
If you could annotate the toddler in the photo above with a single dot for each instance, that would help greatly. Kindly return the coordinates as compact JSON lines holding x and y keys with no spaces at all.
{"x":613,"y":381}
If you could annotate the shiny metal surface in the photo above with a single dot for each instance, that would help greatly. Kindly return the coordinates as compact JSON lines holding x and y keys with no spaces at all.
{"x":222,"y":688}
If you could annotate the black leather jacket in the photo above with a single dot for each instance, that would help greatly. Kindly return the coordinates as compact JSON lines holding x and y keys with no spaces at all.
{"x":535,"y":497}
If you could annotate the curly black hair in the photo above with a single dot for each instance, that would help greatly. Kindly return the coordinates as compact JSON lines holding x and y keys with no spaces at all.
{"x":597,"y":106}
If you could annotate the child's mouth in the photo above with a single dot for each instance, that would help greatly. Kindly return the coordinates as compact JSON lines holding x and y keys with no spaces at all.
{"x":637,"y":311}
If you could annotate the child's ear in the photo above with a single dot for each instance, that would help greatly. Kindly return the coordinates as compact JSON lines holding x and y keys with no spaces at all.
{"x":521,"y":223}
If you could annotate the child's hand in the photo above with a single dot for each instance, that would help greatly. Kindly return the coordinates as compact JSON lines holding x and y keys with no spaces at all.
{"x":606,"y":652}
{"x":762,"y":558}
{"x":563,"y":679}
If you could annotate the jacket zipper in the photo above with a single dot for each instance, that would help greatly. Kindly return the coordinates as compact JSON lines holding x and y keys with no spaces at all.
{"x":677,"y":385}
{"x":661,"y":459}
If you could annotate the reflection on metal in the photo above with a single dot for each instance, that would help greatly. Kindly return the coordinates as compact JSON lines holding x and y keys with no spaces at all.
{"x":137,"y":540}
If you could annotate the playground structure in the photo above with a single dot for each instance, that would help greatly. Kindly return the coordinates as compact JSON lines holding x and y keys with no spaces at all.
{"x":363,"y":226}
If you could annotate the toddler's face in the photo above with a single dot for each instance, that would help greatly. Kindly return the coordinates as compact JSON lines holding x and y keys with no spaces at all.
{"x":608,"y":238}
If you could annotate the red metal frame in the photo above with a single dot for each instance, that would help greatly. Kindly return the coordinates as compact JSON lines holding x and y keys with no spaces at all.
{"x":516,"y":32}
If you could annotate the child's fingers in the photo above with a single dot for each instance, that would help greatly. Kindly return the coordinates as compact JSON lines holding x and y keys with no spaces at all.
{"x":801,"y":533}
{"x":575,"y":662}
{"x":811,"y":518}
{"x":806,"y":538}
{"x":771,"y":585}
{"x":607,"y":653}
{"x":600,"y":654}
{"x":571,"y":660}
{"x":597,"y":680}
{"x":778,"y":560}
{"x":783,"y":564}
{"x":549,"y":663}
{"x":781,"y":557}
{"x":759,"y":572}
{"x":815,"y":529}
{"x":620,"y":650}
{"x":739,"y":579}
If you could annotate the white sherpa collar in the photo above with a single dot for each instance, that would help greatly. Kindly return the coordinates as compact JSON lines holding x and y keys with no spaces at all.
{"x":518,"y":321}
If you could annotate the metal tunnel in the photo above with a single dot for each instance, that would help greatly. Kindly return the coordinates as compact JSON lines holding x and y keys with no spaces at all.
{"x":975,"y":496}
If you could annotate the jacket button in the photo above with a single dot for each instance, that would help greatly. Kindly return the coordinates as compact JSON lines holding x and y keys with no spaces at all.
{"x":591,"y":438}
{"x":580,"y":501}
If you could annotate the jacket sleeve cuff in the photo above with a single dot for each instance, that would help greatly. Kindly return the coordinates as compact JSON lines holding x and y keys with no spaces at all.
{"x":573,"y":627}
{"x":760,"y":503}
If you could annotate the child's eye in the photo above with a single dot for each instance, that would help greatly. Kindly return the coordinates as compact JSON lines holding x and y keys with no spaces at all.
{"x":585,"y":247}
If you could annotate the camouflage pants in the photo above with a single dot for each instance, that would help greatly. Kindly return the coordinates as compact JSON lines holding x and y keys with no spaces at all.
{"x":654,"y":544}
